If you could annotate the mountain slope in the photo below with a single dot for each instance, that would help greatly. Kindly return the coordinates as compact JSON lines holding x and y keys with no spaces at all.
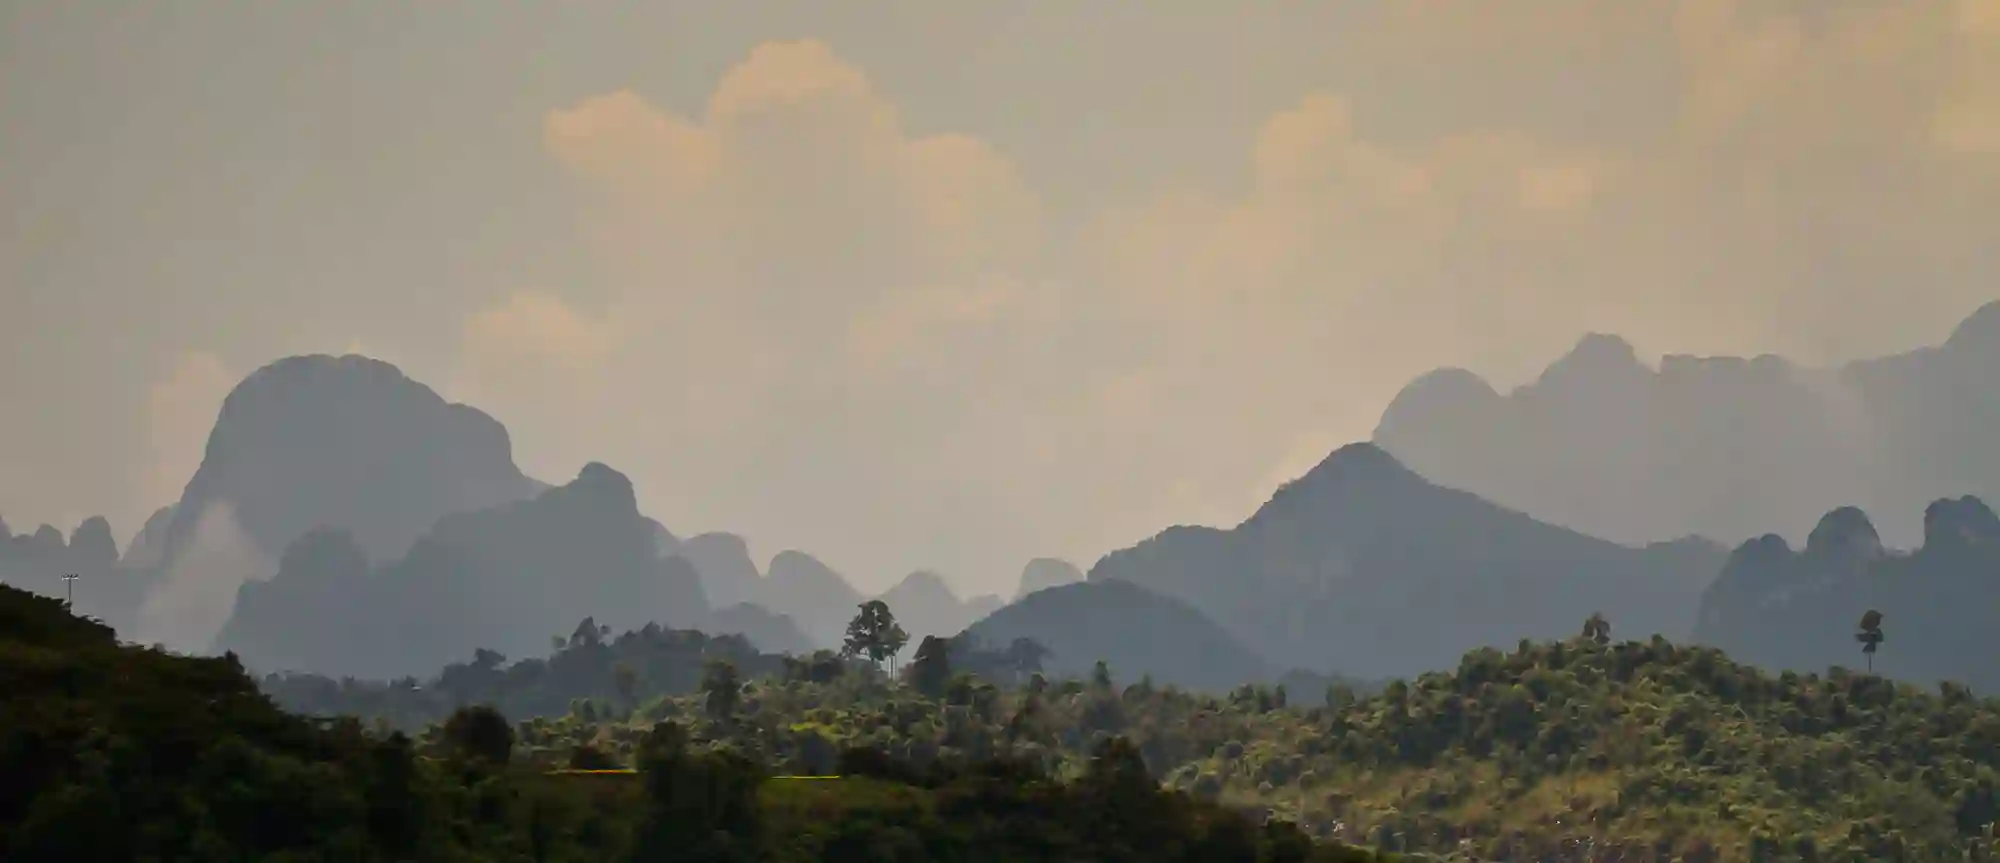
{"x":1131,"y":629}
{"x":1365,"y":568}
{"x":1723,"y":447}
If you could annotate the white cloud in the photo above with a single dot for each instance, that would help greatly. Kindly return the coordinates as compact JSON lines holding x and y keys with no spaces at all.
{"x":829,"y":331}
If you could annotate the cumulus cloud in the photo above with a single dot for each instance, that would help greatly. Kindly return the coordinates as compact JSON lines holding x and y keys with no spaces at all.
{"x":835,"y":332}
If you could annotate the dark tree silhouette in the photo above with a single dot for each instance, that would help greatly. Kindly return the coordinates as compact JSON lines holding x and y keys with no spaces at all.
{"x":479,"y":733}
{"x":930,"y":670}
{"x":1597,"y":629}
{"x":875,"y":634}
{"x":1026,"y":655}
{"x":722,"y":689}
{"x":1870,"y":636}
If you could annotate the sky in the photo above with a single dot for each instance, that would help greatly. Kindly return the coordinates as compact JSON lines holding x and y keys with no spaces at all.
{"x":950,"y":285}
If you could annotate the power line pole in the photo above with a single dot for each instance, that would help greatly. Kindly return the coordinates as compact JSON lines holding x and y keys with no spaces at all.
{"x":69,"y":590}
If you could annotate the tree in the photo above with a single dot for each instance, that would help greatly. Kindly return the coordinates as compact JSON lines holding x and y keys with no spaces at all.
{"x":479,"y":733}
{"x":1100,"y":677}
{"x":930,"y":670}
{"x":875,"y":634}
{"x":1026,"y":655}
{"x":626,"y":681}
{"x":722,"y":689}
{"x":1597,"y":629}
{"x":699,"y":807}
{"x":1870,"y":636}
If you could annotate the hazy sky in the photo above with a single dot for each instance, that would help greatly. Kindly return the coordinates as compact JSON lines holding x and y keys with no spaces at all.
{"x":951,"y":285}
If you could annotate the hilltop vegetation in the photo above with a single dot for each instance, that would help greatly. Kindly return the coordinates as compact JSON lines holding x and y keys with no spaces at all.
{"x":1581,"y":749}
{"x":120,"y":753}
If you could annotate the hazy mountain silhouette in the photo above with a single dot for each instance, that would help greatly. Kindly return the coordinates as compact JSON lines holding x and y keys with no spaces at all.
{"x":1046,"y":572}
{"x":346,"y":442}
{"x":1365,"y":568}
{"x":814,"y":601}
{"x":105,"y":589}
{"x":812,"y":595}
{"x":1799,"y":610}
{"x":1135,"y":631}
{"x":770,"y":631}
{"x":506,"y":578}
{"x":314,"y":442}
{"x":148,"y":548}
{"x":1721,"y":447}
{"x":728,"y":575}
{"x":925,"y":605}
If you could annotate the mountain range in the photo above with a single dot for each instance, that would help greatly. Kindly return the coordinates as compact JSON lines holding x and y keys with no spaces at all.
{"x":373,"y":528}
{"x":1800,"y":609}
{"x":1364,"y":567}
{"x":1723,"y":447}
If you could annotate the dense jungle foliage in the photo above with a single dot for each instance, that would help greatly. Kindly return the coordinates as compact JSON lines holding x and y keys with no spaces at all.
{"x":1581,"y":749}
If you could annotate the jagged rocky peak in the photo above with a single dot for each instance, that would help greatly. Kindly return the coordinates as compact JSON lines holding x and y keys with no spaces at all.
{"x":1596,"y":357}
{"x":1363,"y":463}
{"x":601,"y":483}
{"x":48,"y":539}
{"x":1959,"y":522}
{"x":1440,"y":398}
{"x":1043,"y":573}
{"x":350,"y":442}
{"x":721,"y":545}
{"x":926,"y":581}
{"x":91,"y":544}
{"x":1845,"y":533}
{"x":1764,"y":551}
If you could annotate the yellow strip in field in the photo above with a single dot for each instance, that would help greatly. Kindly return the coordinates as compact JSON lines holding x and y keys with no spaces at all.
{"x":627,"y":771}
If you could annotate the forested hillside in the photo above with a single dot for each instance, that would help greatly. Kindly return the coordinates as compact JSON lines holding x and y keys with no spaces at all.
{"x":120,"y":753}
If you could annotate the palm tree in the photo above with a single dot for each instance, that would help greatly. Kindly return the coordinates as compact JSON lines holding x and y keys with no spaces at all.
{"x":1597,"y":629}
{"x":1870,"y":636}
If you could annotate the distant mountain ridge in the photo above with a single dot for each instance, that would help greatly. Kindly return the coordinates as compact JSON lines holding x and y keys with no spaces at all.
{"x":1798,"y":610}
{"x":505,"y":578}
{"x":1364,"y":568}
{"x":1136,"y":632}
{"x":1722,"y":447}
{"x":106,"y":588}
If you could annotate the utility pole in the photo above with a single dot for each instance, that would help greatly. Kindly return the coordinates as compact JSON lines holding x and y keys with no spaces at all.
{"x":69,"y":590}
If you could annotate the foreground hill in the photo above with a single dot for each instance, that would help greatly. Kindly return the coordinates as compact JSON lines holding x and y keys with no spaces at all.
{"x":1799,"y":609}
{"x":1365,"y":568}
{"x":1722,"y":447}
{"x":506,"y":578}
{"x":1134,"y":630}
{"x":119,"y":753}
